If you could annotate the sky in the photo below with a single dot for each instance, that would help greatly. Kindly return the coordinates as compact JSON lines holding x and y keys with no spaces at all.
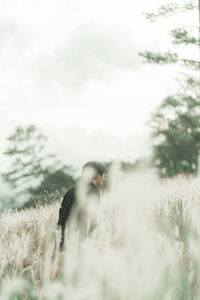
{"x":72,"y":68}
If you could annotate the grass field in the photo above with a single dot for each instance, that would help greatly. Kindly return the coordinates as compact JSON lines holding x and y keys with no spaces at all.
{"x":146,"y":246}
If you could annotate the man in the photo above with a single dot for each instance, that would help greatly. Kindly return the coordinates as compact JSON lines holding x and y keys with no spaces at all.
{"x":88,"y":187}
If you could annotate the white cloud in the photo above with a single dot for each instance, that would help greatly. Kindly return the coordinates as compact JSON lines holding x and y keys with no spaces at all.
{"x":76,"y":146}
{"x":91,"y":52}
{"x":75,"y":63}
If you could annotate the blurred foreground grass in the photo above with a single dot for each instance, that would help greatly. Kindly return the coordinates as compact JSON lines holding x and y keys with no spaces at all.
{"x":146,"y":246}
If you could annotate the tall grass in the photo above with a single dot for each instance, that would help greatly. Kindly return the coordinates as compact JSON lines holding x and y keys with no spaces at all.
{"x":146,"y":245}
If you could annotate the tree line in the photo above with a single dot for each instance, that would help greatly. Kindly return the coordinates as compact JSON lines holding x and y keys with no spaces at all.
{"x":35,"y":176}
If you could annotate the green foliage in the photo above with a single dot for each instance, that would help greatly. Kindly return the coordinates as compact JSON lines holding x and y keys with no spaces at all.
{"x":180,"y":36}
{"x":28,"y":161}
{"x":169,"y":58}
{"x":176,"y":135}
{"x":170,"y":9}
{"x":160,"y":58}
{"x":51,"y":189}
{"x":176,"y":123}
{"x":32,"y":171}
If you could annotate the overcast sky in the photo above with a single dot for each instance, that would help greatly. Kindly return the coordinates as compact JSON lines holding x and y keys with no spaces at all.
{"x":72,"y":67}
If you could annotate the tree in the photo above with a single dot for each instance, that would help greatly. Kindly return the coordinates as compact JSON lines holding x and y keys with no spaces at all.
{"x":181,"y":35}
{"x":31,"y":168}
{"x":176,"y":134}
{"x":51,"y":189}
{"x":175,"y":124}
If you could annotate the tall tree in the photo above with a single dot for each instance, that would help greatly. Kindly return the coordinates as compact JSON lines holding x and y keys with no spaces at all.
{"x":31,"y":168}
{"x":26,"y":153}
{"x":175,"y":124}
{"x":181,"y":35}
{"x":176,"y":133}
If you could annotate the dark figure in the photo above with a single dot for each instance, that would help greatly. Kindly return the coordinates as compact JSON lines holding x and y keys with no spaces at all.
{"x":94,"y":174}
